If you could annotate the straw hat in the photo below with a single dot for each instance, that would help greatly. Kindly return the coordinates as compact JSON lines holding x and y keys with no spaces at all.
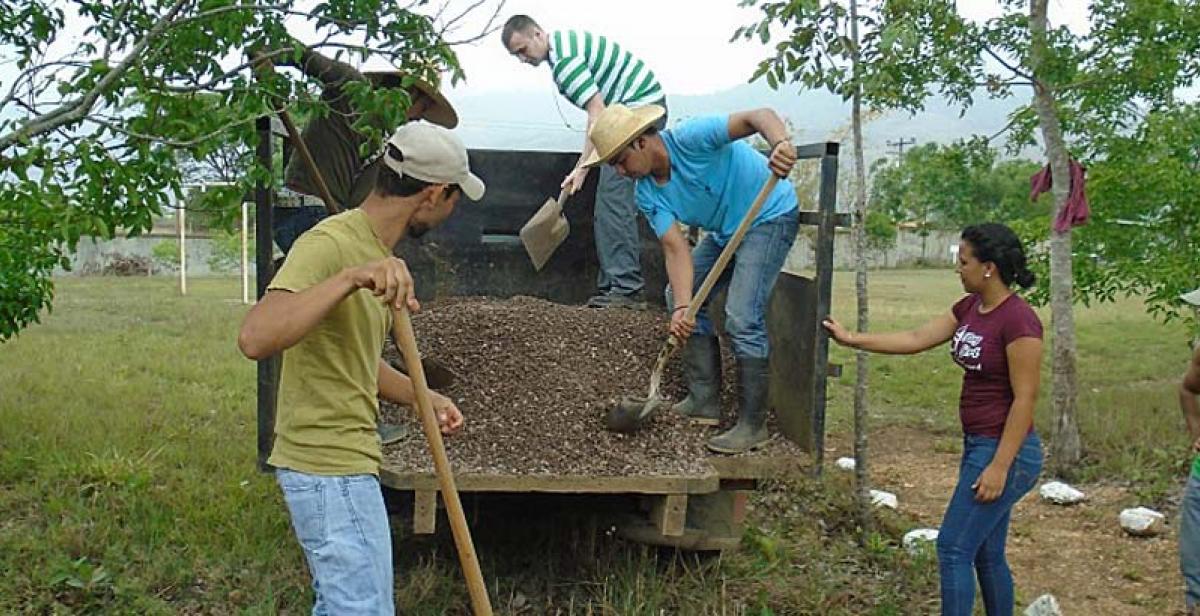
{"x":616,"y":127}
{"x":441,"y":112}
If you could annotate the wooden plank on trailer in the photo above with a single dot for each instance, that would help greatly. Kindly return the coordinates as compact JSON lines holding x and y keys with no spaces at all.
{"x":424,"y":512}
{"x":753,"y":467}
{"x":740,"y":498}
{"x":701,"y":483}
{"x":669,"y":514}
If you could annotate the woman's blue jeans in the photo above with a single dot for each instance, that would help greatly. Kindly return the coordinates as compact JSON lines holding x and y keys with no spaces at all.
{"x":971,"y":540}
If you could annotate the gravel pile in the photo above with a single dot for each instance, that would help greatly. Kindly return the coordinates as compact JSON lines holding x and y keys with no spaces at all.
{"x":535,"y":380}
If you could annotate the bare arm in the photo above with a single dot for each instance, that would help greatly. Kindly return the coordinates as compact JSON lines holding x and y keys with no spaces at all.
{"x":762,"y":121}
{"x":578,"y":175}
{"x":282,"y":318}
{"x":397,"y":387}
{"x":937,"y":331}
{"x":1025,"y":376}
{"x":1189,"y":389}
{"x":678,"y":264}
{"x":766,"y":122}
{"x":593,"y":108}
{"x":678,"y":257}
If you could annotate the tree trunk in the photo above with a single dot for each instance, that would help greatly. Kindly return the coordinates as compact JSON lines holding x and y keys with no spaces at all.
{"x":860,"y":284}
{"x":1065,"y":447}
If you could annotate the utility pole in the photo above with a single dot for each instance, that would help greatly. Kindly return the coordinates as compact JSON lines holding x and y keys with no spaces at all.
{"x":899,"y":145}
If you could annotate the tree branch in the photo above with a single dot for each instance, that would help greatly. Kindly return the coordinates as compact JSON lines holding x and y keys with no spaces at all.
{"x":191,"y":143}
{"x":988,"y":84}
{"x":29,"y":73}
{"x":1007,"y":127}
{"x":1006,"y":65}
{"x":490,"y":27}
{"x":449,"y":25}
{"x":76,"y":110}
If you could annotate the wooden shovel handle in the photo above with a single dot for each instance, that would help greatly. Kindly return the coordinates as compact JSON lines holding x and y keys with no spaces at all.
{"x":264,"y":66}
{"x":406,"y":339}
{"x":711,"y":279}
{"x":731,"y":247}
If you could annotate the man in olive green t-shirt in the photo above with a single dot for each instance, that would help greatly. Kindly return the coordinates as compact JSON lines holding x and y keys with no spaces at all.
{"x":337,"y":148}
{"x":328,"y":310}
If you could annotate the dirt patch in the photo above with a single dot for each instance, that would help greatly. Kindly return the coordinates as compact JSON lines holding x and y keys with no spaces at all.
{"x":1079,"y":554}
{"x":535,"y":380}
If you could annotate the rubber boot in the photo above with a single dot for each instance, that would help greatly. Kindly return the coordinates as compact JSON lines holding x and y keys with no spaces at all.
{"x":702,"y":369}
{"x":754,"y":377}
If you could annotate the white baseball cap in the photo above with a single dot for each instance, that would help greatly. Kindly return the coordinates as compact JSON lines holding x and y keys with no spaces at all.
{"x":433,"y":154}
{"x":1192,"y":298}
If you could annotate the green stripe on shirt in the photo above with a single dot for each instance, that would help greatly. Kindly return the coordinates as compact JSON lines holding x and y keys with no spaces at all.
{"x":585,"y":64}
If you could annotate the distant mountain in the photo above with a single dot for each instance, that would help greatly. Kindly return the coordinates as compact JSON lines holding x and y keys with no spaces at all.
{"x":542,"y":120}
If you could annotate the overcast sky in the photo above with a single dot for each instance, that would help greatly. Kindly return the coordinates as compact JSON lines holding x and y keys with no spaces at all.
{"x":685,"y":42}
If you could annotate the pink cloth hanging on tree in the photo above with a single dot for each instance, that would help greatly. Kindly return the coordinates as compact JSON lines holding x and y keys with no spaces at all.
{"x":1076,"y":211}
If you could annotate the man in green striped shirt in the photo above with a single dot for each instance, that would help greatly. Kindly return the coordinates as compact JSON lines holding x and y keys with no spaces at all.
{"x":594,"y":71}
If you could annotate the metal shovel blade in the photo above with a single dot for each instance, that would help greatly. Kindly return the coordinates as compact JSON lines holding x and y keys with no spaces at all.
{"x":437,"y":374}
{"x":543,"y":233}
{"x":632,"y":412}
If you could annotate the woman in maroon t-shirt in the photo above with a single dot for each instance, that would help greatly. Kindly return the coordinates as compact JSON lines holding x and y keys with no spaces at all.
{"x":997,"y":339}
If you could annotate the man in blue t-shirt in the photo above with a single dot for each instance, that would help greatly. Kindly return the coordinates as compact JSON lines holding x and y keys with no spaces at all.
{"x":701,"y":174}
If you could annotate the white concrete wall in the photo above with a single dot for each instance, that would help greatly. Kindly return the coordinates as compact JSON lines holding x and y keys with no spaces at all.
{"x":911,"y":250}
{"x":92,"y":254}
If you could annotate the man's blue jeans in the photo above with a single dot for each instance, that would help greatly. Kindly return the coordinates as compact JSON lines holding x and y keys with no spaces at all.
{"x":971,"y":539}
{"x":1189,"y":542}
{"x":750,"y":277}
{"x":615,"y":225}
{"x":291,"y":222}
{"x":342,"y":526}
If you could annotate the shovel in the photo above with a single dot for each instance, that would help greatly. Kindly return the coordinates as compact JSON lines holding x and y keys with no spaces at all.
{"x":542,"y":234}
{"x":405,"y":338}
{"x":633,"y":411}
{"x":264,"y":67}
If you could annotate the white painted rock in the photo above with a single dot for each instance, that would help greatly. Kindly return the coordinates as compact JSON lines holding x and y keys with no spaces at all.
{"x":1060,"y":493}
{"x":846,"y":464}
{"x":1045,"y":605}
{"x":915,"y":540}
{"x":879,"y":498}
{"x":1142,"y":522}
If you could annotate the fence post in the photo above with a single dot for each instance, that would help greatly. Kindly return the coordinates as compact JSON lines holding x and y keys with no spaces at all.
{"x":245,"y":253}
{"x":182,"y":218}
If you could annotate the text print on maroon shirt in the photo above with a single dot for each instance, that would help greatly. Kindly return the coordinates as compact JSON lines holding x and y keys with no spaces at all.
{"x":966,"y":348}
{"x":980,"y":346}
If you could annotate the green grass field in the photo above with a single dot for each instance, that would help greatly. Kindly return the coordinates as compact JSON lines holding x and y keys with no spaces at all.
{"x":128,"y":483}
